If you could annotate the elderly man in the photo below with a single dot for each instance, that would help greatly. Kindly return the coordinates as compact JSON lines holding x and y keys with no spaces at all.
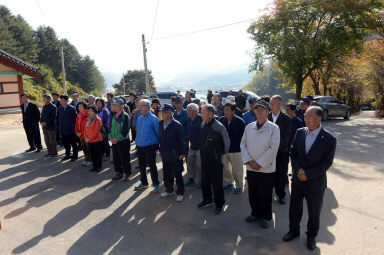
{"x":48,"y":123}
{"x":119,"y":137}
{"x":241,"y":101}
{"x":259,"y":147}
{"x":312,"y":153}
{"x":31,"y":118}
{"x":194,"y":160}
{"x":233,"y":165}
{"x":91,"y":100}
{"x":110,"y":101}
{"x":181,"y":115}
{"x":219,"y":107}
{"x":250,"y":116}
{"x":283,"y":121}
{"x":75,"y":100}
{"x":172,"y":150}
{"x":147,"y":143}
{"x":67,"y":120}
{"x":214,"y":143}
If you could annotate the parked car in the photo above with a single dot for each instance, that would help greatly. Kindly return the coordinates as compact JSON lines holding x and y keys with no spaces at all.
{"x":332,"y":107}
{"x":164,"y":97}
{"x":248,"y":94}
{"x":366,"y":107}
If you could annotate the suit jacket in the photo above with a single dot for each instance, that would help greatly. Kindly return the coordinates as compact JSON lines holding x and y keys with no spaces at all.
{"x":67,"y":119}
{"x":77,"y":105}
{"x":31,"y":116}
{"x":318,"y":160}
{"x":296,"y":124}
{"x":284,"y":123}
{"x":171,"y":140}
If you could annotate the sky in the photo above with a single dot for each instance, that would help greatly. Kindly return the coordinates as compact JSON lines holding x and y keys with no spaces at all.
{"x":110,"y":31}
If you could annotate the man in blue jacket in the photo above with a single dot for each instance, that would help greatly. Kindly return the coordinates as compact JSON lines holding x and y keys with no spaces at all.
{"x":172,"y":150}
{"x":67,"y":120}
{"x":180,"y":114}
{"x":250,"y":116}
{"x":147,"y":142}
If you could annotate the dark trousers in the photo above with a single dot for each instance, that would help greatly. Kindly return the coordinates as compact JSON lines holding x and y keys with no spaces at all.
{"x":58,"y":134}
{"x":260,"y":188}
{"x":106,"y":147}
{"x":50,"y":141}
{"x":133,"y":132}
{"x":281,"y":174}
{"x":173,"y":170}
{"x":122,"y":156}
{"x":33,"y":136}
{"x":147,"y":156}
{"x":301,"y":190}
{"x":68,"y":142}
{"x":96,"y":150}
{"x":212,"y":180}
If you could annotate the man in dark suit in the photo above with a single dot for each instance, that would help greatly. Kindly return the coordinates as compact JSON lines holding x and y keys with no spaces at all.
{"x":312,"y":152}
{"x":75,"y":101}
{"x":297,"y":123}
{"x":31,"y":118}
{"x":173,"y":149}
{"x":56,"y":102}
{"x":282,"y":159}
{"x":67,"y":119}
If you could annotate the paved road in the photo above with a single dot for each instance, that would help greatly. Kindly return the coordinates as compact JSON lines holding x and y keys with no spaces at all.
{"x":48,"y":207}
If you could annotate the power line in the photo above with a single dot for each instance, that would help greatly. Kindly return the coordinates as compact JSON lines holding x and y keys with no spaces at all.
{"x":226,"y":25}
{"x":154,"y":21}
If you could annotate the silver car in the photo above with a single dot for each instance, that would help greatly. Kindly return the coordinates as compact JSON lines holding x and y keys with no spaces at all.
{"x":248,"y":94}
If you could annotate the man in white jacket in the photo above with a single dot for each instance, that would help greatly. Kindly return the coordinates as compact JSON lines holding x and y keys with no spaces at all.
{"x":259,"y":146}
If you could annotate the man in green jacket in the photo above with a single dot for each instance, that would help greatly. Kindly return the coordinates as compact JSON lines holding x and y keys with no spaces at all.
{"x":119,"y":137}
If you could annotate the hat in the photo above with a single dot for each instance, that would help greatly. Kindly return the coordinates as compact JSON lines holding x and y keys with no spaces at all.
{"x":252,"y":100}
{"x":263,"y":104}
{"x":118,"y":102}
{"x":196,"y":101}
{"x":305,"y":100}
{"x":309,"y":97}
{"x":167,"y":108}
{"x":178,"y":100}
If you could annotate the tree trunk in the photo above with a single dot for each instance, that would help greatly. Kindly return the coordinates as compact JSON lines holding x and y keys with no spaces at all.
{"x":315,"y":84}
{"x":299,"y":85}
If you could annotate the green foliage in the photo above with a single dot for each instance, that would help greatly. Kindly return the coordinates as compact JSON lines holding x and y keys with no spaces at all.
{"x":43,"y":48}
{"x":134,"y":81}
{"x":268,"y":82}
{"x":303,"y":35}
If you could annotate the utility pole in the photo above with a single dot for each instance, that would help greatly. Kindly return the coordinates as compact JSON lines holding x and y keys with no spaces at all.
{"x":63,"y":69}
{"x":123,"y":84}
{"x":145,"y":65}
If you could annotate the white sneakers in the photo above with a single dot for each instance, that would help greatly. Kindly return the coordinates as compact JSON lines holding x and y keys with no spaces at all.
{"x":179,"y":198}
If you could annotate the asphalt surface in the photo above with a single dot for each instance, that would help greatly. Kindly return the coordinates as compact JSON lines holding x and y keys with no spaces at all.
{"x":49,"y":207}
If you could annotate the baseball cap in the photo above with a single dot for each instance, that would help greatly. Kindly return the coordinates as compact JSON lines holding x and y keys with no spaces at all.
{"x":252,"y":100}
{"x":263,"y":104}
{"x":309,"y":97}
{"x":167,"y":108}
{"x":305,"y":100}
{"x":178,"y":100}
{"x":118,"y":102}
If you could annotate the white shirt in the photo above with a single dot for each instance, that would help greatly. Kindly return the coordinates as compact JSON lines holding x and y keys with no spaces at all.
{"x":274,"y":117}
{"x":310,"y":138}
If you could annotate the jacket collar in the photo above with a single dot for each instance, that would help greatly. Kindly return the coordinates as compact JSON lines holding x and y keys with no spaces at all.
{"x":263,"y":128}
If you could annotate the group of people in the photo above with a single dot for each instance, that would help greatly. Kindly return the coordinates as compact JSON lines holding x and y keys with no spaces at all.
{"x":216,"y":140}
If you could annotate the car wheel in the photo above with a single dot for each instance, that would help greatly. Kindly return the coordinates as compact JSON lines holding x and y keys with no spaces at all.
{"x":347,"y":115}
{"x":325,"y":115}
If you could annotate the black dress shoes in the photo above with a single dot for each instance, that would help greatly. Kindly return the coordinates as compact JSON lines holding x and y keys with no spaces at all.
{"x":30,"y":149}
{"x":311,"y":244}
{"x":282,"y":201}
{"x":290,"y":236}
{"x":66,"y":158}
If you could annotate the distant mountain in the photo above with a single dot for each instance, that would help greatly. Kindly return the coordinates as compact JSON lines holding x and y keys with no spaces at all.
{"x":236,"y":77}
{"x":111,"y":78}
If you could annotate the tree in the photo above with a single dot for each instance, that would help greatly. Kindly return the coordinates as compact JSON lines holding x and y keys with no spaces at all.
{"x":301,"y":36}
{"x":49,"y":48}
{"x":134,"y":81}
{"x":267,"y":82}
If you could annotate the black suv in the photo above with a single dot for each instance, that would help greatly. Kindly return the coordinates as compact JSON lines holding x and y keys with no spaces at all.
{"x":332,"y":107}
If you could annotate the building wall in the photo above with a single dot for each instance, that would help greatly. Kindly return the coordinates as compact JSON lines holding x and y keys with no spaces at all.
{"x":11,"y":86}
